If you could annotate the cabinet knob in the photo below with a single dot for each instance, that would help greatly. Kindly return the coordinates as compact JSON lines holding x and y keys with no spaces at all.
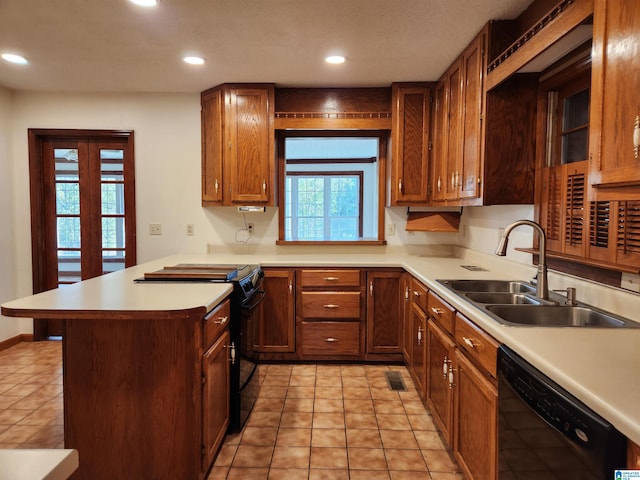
{"x":400,"y":186}
{"x":439,"y":183}
{"x":290,"y":288}
{"x":371,"y":287}
{"x":264,"y":186}
{"x":416,"y":293}
{"x":216,"y":185}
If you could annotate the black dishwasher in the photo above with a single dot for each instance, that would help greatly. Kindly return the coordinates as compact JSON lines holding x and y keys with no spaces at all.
{"x":546,"y":433}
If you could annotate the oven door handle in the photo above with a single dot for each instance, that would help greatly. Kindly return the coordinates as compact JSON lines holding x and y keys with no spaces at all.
{"x":259,"y":293}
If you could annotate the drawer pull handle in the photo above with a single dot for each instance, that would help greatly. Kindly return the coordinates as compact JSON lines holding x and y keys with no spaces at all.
{"x":419,"y":336}
{"x":437,"y":311}
{"x":445,"y":367}
{"x":469,"y":342}
{"x":416,"y":293}
{"x":331,"y":279}
{"x":221,"y":320}
{"x":232,"y":353}
{"x":451,"y":379}
{"x":331,"y":340}
{"x":330,"y":305}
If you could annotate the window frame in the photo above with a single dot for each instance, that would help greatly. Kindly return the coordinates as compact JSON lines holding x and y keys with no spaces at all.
{"x":382,"y":160}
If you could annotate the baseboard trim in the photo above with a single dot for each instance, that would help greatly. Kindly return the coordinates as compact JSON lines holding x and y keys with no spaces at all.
{"x":10,"y":342}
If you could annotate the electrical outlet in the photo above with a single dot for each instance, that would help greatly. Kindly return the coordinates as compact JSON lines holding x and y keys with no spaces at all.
{"x":631,"y":282}
{"x":155,"y":229}
{"x":391,"y":229}
{"x":190,"y":229}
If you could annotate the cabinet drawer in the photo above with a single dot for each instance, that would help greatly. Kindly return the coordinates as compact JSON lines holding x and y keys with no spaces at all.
{"x":330,"y":338}
{"x":330,"y":278}
{"x":330,"y":304}
{"x":477,"y":344}
{"x":441,"y":312}
{"x":419,"y":294}
{"x":215,"y":322}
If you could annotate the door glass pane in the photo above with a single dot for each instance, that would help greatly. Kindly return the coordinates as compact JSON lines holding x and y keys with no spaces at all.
{"x":66,"y":164}
{"x":112,"y":260}
{"x":67,"y":198}
{"x":113,"y":199}
{"x":112,"y":164}
{"x":113,"y":232}
{"x":68,"y":232}
{"x":574,"y":146}
{"x":69,"y":268}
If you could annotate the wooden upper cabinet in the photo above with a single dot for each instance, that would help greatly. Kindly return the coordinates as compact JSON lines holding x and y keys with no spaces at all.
{"x":238,"y":155}
{"x":473,"y":66}
{"x":410,"y":143}
{"x":439,"y":148}
{"x":615,"y":85}
{"x":454,"y":139}
{"x":212,"y":145}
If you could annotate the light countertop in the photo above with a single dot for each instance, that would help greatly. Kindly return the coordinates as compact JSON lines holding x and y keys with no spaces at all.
{"x":38,"y":464}
{"x":598,"y":365}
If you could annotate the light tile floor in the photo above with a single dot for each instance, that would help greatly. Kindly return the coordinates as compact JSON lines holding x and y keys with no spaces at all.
{"x":335,"y":422}
{"x":31,"y":396}
{"x":310,"y":422}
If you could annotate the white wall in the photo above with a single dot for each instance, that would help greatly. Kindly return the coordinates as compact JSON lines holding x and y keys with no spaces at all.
{"x":9,"y":327}
{"x":167,"y":162}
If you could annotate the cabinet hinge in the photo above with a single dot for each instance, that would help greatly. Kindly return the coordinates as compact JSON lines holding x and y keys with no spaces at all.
{"x":430,"y":145}
{"x":204,"y":379}
{"x":428,"y":190}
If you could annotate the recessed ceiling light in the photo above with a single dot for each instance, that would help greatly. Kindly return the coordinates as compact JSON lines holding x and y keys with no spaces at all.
{"x":13,"y":58}
{"x":145,"y":3}
{"x":191,"y":60}
{"x":335,"y":59}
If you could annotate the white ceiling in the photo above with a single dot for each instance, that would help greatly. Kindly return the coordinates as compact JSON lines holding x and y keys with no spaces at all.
{"x":114,"y":46}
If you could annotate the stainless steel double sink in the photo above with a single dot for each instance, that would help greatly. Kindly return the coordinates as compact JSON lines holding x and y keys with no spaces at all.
{"x":515,"y":303}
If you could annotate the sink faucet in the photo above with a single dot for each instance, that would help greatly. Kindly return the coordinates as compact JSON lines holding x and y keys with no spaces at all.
{"x":542,"y":289}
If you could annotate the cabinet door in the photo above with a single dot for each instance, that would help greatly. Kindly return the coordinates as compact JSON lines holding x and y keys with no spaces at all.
{"x":615,"y":86}
{"x":215,"y":398}
{"x":212,"y":145}
{"x":440,"y":135}
{"x":275,"y":328}
{"x":249,"y":164}
{"x":440,"y":351}
{"x":472,"y":80}
{"x":454,"y":138}
{"x":476,"y":421}
{"x":407,"y":335}
{"x":384,"y":304}
{"x":410,"y":141}
{"x":419,"y":347}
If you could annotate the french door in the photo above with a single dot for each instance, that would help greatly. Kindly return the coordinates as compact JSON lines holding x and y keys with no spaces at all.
{"x":82,"y":208}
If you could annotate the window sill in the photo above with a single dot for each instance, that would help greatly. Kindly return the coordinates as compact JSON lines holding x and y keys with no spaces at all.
{"x":330,"y":242}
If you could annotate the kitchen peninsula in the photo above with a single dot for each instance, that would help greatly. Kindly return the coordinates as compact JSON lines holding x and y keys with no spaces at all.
{"x":132,"y":362}
{"x":153,"y":326}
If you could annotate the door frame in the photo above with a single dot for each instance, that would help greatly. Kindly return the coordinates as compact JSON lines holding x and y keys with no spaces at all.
{"x":40,"y":190}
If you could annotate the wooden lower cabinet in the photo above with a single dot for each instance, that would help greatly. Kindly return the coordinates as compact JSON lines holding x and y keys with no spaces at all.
{"x":274,"y":327}
{"x":384,"y":302}
{"x":215,"y":398}
{"x":417,"y":368}
{"x":476,"y":421}
{"x":330,"y":338}
{"x":440,"y":356}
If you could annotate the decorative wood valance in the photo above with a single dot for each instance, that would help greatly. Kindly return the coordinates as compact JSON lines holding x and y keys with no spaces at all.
{"x":333,"y":108}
